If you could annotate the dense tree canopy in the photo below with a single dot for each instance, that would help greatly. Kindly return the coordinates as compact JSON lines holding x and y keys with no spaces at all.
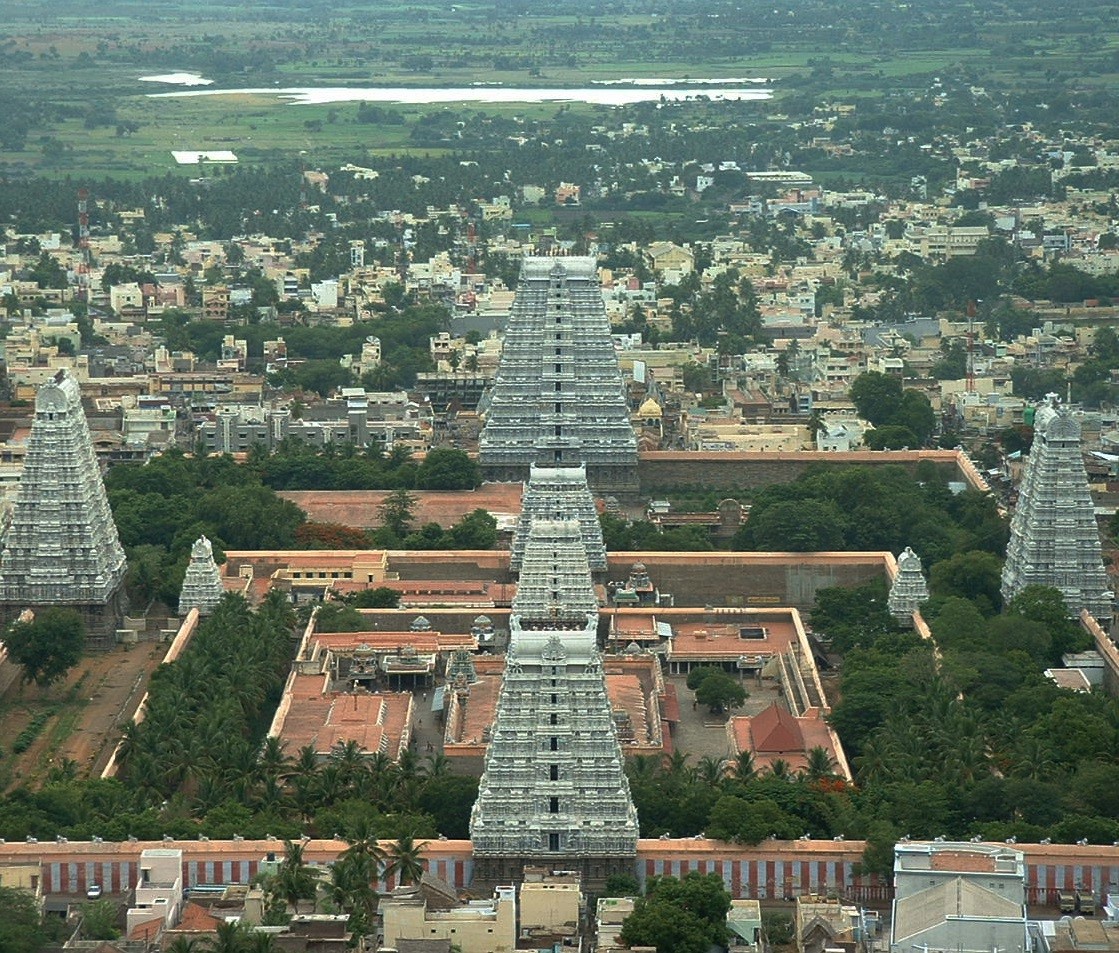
{"x":48,"y":646}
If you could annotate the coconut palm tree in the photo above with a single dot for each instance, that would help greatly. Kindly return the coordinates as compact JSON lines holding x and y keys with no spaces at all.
{"x":780,"y":768}
{"x":405,"y":860}
{"x":710,"y":770}
{"x":820,"y":763}
{"x":295,"y":880}
{"x":229,"y":937}
{"x":743,"y":767}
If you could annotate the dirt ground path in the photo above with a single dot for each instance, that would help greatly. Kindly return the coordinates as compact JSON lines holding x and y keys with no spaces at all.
{"x":85,"y":713}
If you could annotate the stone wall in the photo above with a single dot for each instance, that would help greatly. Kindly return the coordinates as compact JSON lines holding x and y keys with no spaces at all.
{"x":751,"y":579}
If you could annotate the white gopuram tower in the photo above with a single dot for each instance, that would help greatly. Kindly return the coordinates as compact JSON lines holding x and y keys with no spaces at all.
{"x":202,"y":588}
{"x":1054,"y":540}
{"x":60,"y":547}
{"x":558,"y":397}
{"x":908,"y":589}
{"x":560,"y":493}
{"x":553,"y":790}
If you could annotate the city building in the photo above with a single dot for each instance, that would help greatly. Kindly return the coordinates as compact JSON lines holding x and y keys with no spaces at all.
{"x":553,"y":791}
{"x":558,"y":397}
{"x":60,"y":547}
{"x":477,"y":926}
{"x":1054,"y":540}
{"x":958,"y":897}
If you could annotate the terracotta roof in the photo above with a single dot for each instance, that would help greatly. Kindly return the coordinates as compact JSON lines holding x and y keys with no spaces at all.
{"x":776,"y":730}
{"x":361,"y":508}
{"x":197,"y":919}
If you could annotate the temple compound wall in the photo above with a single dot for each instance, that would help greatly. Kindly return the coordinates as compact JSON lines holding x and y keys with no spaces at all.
{"x":773,"y":870}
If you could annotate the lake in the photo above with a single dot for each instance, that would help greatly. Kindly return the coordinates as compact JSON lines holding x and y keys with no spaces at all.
{"x":602,"y":95}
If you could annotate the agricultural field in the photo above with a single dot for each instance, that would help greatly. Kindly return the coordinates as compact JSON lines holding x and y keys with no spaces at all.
{"x":70,"y":81}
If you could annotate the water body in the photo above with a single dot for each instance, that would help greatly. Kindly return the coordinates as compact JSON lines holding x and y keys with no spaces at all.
{"x":600,"y":96}
{"x":662,"y":81}
{"x":178,"y":79}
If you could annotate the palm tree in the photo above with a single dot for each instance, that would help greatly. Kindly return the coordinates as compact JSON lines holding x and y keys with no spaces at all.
{"x":820,"y":763}
{"x":182,"y":944}
{"x":295,"y":880}
{"x":405,"y":860}
{"x":780,"y":768}
{"x":229,"y":937}
{"x":676,"y":765}
{"x":743,"y":767}
{"x":438,"y":765}
{"x":710,"y":770}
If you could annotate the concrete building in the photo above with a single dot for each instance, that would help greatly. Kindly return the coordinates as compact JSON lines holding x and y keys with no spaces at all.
{"x":958,"y":898}
{"x":1054,"y":540}
{"x":477,"y":926}
{"x":558,"y":397}
{"x":61,"y":547}
{"x":159,"y":889}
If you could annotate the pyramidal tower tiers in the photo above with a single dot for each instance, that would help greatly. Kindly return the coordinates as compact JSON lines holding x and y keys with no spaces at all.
{"x":560,"y":493}
{"x":202,"y":586}
{"x":61,"y":546}
{"x":558,"y":398}
{"x":553,"y":790}
{"x":1054,"y":540}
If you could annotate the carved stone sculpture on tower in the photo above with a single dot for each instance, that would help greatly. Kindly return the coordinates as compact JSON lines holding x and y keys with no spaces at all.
{"x":61,"y":546}
{"x":1054,"y":540}
{"x":558,"y":398}
{"x":908,"y":589}
{"x":202,"y":587}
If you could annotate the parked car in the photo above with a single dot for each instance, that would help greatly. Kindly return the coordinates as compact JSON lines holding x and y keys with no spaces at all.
{"x":93,"y":891}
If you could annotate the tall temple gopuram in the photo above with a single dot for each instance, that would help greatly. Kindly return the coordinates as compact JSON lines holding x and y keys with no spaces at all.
{"x":553,"y":790}
{"x":560,"y":493}
{"x":60,"y":547}
{"x":1054,"y":540}
{"x":558,"y":398}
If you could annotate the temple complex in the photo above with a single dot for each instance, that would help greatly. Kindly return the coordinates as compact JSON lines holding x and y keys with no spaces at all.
{"x":560,"y":493}
{"x":60,"y":547}
{"x":1054,"y":540}
{"x":553,"y":790}
{"x":908,"y":590}
{"x":558,"y":397}
{"x":202,"y":586}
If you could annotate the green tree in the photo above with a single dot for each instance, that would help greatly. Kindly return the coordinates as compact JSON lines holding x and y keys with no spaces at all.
{"x":397,"y":512}
{"x":21,"y":927}
{"x":447,"y":468}
{"x":406,"y":860}
{"x":876,"y":396}
{"x":380,"y":597}
{"x":720,"y":692}
{"x":99,"y":920}
{"x":295,"y":880}
{"x":972,"y":575}
{"x":47,"y":647}
{"x":680,"y":916}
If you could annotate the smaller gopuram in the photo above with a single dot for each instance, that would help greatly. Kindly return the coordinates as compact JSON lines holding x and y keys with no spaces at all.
{"x":60,"y":547}
{"x":908,"y":589}
{"x":1054,"y":539}
{"x":202,"y":587}
{"x":560,"y":493}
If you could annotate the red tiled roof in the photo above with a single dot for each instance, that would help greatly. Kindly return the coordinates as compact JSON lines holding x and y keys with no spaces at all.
{"x":776,"y":730}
